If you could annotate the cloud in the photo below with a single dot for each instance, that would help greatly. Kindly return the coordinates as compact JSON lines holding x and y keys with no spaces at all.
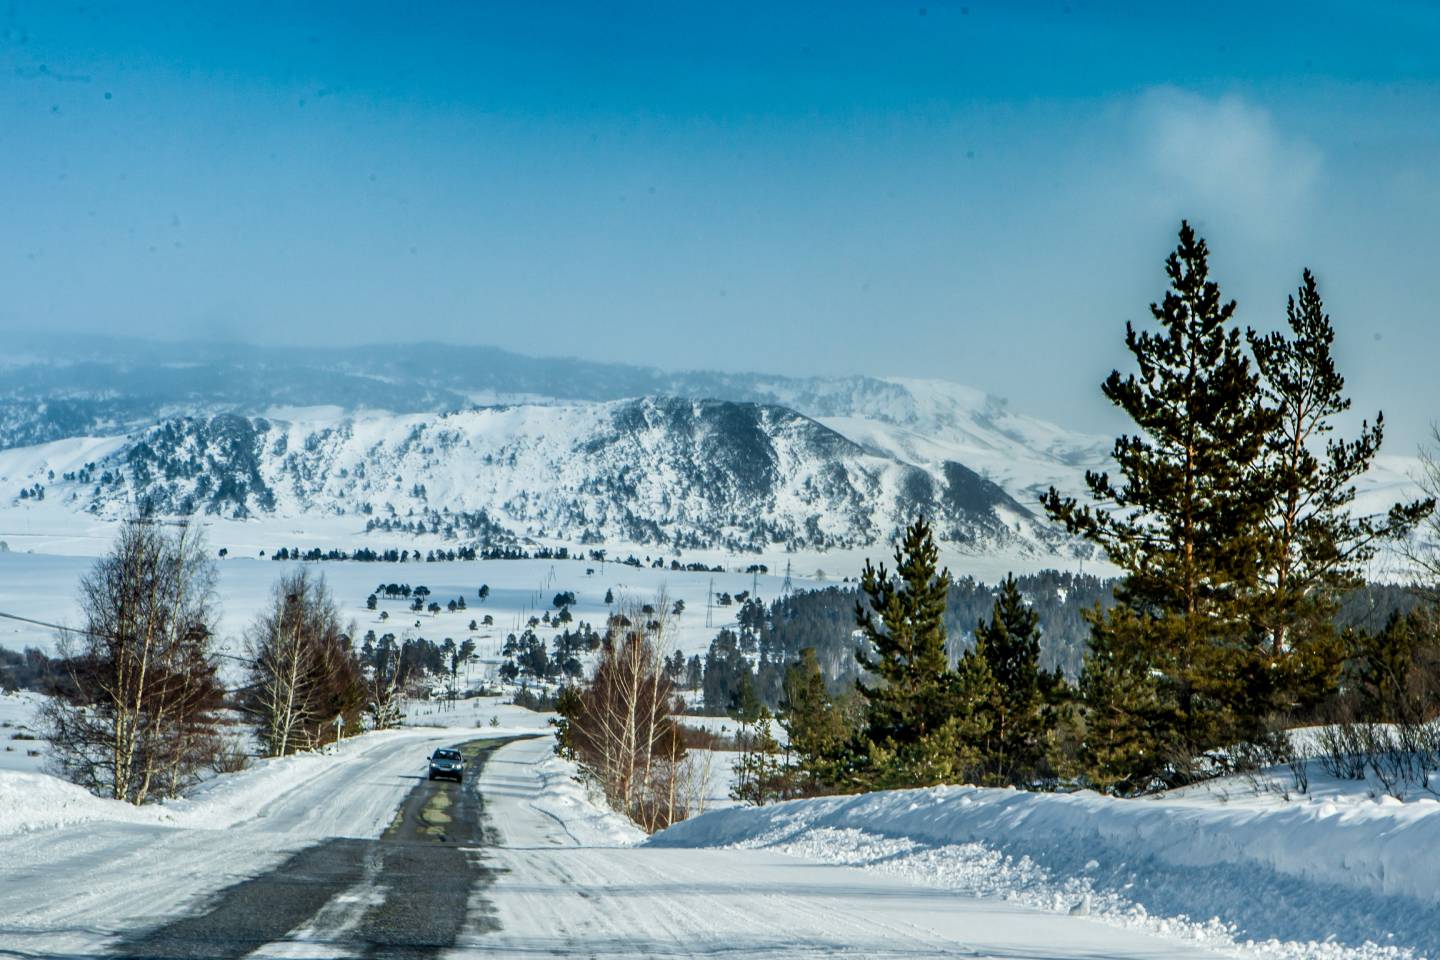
{"x":1227,"y":159}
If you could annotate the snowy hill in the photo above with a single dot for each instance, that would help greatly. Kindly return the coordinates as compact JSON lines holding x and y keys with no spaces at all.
{"x":697,"y":474}
{"x":558,"y":448}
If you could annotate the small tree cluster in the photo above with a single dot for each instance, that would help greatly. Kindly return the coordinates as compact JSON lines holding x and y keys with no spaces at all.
{"x":620,"y":729}
{"x":138,"y":718}
{"x":305,"y":676}
{"x":1231,"y":517}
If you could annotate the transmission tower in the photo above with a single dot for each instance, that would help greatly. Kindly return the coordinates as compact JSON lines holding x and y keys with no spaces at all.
{"x":787,"y":585}
{"x":710,"y":605}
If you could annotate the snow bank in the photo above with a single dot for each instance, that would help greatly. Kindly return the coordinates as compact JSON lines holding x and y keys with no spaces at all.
{"x":1308,"y":879}
{"x":564,"y":797}
{"x":38,"y":801}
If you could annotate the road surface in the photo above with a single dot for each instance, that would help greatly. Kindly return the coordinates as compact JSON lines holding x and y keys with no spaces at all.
{"x":374,"y":861}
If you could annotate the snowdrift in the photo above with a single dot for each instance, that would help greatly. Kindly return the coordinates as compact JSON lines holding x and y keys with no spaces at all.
{"x":1353,"y":877}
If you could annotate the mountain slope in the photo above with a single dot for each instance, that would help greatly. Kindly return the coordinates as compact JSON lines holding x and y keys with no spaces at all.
{"x":56,"y":388}
{"x":702,"y":473}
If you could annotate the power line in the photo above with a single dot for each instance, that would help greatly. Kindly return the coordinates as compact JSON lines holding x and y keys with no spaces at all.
{"x":95,"y":633}
{"x":42,"y":623}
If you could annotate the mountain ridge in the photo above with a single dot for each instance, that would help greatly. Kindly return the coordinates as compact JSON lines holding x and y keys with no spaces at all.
{"x":691,"y":473}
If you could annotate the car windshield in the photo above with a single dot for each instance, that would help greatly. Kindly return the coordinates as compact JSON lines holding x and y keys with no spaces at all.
{"x":447,"y":755}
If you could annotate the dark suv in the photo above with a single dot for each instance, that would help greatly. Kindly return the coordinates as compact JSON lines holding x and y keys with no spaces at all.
{"x":447,"y":763}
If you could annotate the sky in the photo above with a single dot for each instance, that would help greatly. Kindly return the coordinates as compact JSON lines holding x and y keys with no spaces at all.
{"x":981,"y":192}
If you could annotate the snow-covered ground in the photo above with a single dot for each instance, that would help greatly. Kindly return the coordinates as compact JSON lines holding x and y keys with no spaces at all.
{"x":33,"y":800}
{"x":20,"y":746}
{"x":44,"y":587}
{"x":1339,"y":875}
{"x":77,"y":871}
{"x":925,"y":873}
{"x":557,"y":893}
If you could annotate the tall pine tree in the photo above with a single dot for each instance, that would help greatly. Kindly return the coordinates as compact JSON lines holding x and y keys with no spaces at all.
{"x":816,"y":726}
{"x":1316,"y":545}
{"x":1183,"y":521}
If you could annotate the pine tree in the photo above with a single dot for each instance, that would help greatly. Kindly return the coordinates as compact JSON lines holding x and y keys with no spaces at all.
{"x":1128,"y":719}
{"x":1316,"y":546}
{"x":746,"y":706}
{"x":1010,"y":646}
{"x":1184,"y":522}
{"x":816,"y":726}
{"x":761,"y":776}
{"x":919,"y":726}
{"x":1393,"y":676}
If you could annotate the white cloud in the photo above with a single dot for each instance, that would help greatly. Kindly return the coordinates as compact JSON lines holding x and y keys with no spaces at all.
{"x":1227,"y":159}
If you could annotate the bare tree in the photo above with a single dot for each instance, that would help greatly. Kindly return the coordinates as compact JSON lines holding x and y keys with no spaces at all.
{"x":304,"y":674}
{"x":620,"y":728}
{"x":384,"y":686}
{"x":139,"y":715}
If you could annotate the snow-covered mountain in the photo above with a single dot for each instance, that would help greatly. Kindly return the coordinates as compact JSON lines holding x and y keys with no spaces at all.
{"x":689,"y":473}
{"x":489,"y":445}
{"x":52,"y":389}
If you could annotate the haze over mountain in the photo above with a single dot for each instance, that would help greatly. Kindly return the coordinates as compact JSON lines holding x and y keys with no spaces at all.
{"x":486,"y":446}
{"x":571,"y":451}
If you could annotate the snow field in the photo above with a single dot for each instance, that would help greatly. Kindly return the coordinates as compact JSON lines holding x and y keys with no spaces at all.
{"x":44,"y":587}
{"x":1329,"y":879}
{"x":18,"y":751}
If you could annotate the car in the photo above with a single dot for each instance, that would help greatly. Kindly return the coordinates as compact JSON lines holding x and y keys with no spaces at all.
{"x":446,"y":763}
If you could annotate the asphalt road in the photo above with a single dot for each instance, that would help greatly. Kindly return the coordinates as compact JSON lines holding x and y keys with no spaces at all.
{"x":410,"y":893}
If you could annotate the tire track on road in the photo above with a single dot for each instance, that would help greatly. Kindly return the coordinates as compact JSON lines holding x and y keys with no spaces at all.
{"x":417,"y":886}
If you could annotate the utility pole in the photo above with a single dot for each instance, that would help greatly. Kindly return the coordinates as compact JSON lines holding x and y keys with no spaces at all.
{"x":710,"y":605}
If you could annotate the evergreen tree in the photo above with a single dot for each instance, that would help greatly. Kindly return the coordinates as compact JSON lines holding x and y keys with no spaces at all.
{"x":919,"y":728}
{"x":1184,"y":522}
{"x":1317,"y":547}
{"x":1010,"y":646}
{"x":1393,"y":675}
{"x":816,"y":727}
{"x":1127,"y":716}
{"x":761,"y":776}
{"x":745,"y":705}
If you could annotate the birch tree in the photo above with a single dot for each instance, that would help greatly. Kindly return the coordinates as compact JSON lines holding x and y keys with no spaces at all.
{"x":619,"y":727}
{"x":140,"y":718}
{"x":304,"y":673}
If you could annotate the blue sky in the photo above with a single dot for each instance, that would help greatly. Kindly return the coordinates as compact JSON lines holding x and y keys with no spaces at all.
{"x":978,"y":191}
